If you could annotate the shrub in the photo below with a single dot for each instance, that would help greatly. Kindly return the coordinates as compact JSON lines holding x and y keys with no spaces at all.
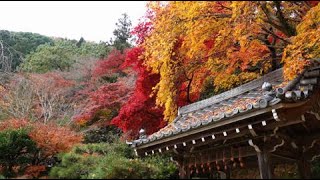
{"x":107,"y":134}
{"x":17,"y":150}
{"x":110,"y":161}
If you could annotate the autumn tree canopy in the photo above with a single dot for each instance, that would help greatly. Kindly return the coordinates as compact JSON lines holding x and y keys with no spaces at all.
{"x":230,"y":42}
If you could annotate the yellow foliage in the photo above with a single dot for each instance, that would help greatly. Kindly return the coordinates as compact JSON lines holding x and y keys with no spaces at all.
{"x":305,"y":46}
{"x":228,"y":41}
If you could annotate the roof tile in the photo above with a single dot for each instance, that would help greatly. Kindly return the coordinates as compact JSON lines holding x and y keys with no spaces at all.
{"x":240,"y":103}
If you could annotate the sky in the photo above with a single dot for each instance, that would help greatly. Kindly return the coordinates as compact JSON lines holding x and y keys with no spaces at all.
{"x":92,"y":20}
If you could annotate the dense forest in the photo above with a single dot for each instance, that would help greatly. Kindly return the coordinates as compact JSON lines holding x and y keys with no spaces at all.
{"x":67,"y":107}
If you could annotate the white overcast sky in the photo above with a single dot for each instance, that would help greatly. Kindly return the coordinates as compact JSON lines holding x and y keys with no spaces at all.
{"x":92,"y":20}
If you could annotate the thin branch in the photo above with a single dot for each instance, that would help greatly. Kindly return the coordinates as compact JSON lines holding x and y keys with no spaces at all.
{"x":266,"y":30}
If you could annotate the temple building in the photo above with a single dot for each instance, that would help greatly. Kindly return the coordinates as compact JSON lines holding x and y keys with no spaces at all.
{"x":263,"y":123}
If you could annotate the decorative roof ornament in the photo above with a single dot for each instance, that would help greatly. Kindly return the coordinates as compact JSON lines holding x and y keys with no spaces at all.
{"x":266,"y":86}
{"x":142,"y":134}
{"x":269,"y":95}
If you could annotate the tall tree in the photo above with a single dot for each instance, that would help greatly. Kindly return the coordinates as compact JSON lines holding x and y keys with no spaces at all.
{"x":230,"y":42}
{"x":140,"y":110}
{"x":108,"y":89}
{"x":122,"y":33}
{"x":79,"y":43}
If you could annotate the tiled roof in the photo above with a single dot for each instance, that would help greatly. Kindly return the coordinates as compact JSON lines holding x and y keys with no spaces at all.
{"x":260,"y":93}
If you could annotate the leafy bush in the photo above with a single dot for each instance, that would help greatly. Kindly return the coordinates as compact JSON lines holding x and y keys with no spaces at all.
{"x":110,"y":161}
{"x":316,"y":169}
{"x":107,"y":134}
{"x":166,"y":169}
{"x":47,"y":141}
{"x":17,"y":149}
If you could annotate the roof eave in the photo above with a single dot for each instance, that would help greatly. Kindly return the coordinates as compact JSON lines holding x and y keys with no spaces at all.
{"x":233,"y":119}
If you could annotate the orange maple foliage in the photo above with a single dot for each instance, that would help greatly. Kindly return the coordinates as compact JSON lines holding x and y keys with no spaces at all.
{"x":230,"y":42}
{"x":34,"y":171}
{"x":52,"y":139}
{"x":14,"y":124}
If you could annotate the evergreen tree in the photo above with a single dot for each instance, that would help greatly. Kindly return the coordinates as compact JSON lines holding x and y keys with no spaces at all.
{"x":122,"y":33}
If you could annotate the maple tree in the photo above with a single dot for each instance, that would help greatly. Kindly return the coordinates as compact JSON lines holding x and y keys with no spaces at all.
{"x":52,"y":139}
{"x":104,"y":102}
{"x":109,"y":66}
{"x":233,"y":42}
{"x":305,"y":47}
{"x":107,"y":90}
{"x":140,"y":110}
{"x":49,"y":140}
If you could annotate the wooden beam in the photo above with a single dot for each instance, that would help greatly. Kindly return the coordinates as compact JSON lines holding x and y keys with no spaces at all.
{"x":231,"y":134}
{"x":308,"y":140}
{"x":282,"y":124}
{"x":284,"y":157}
{"x":221,"y":137}
{"x":216,"y":155}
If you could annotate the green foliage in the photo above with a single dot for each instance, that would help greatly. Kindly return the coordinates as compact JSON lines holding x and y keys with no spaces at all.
{"x":79,"y":43}
{"x":62,"y":55}
{"x":208,"y":89}
{"x":85,"y":159}
{"x":316,"y":169}
{"x":17,"y":149}
{"x":110,"y":161}
{"x":166,"y":169}
{"x":74,"y":166}
{"x":19,"y":44}
{"x":107,"y":134}
{"x":46,"y":58}
{"x":2,"y":177}
{"x":122,"y":168}
{"x":90,"y":49}
{"x":122,"y":33}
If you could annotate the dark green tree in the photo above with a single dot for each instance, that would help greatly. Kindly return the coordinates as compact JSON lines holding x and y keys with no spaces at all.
{"x":80,"y":42}
{"x":107,"y":134}
{"x":111,"y":161}
{"x":16,"y":149}
{"x":122,"y":33}
{"x":16,"y":45}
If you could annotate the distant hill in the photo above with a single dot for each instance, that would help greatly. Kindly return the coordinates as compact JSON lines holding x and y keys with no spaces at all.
{"x":16,"y":45}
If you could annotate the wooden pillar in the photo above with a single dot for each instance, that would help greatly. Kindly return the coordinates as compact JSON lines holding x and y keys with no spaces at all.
{"x":264,"y":164}
{"x":228,"y":172}
{"x":304,"y":168}
{"x":184,"y":171}
{"x":187,"y":169}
